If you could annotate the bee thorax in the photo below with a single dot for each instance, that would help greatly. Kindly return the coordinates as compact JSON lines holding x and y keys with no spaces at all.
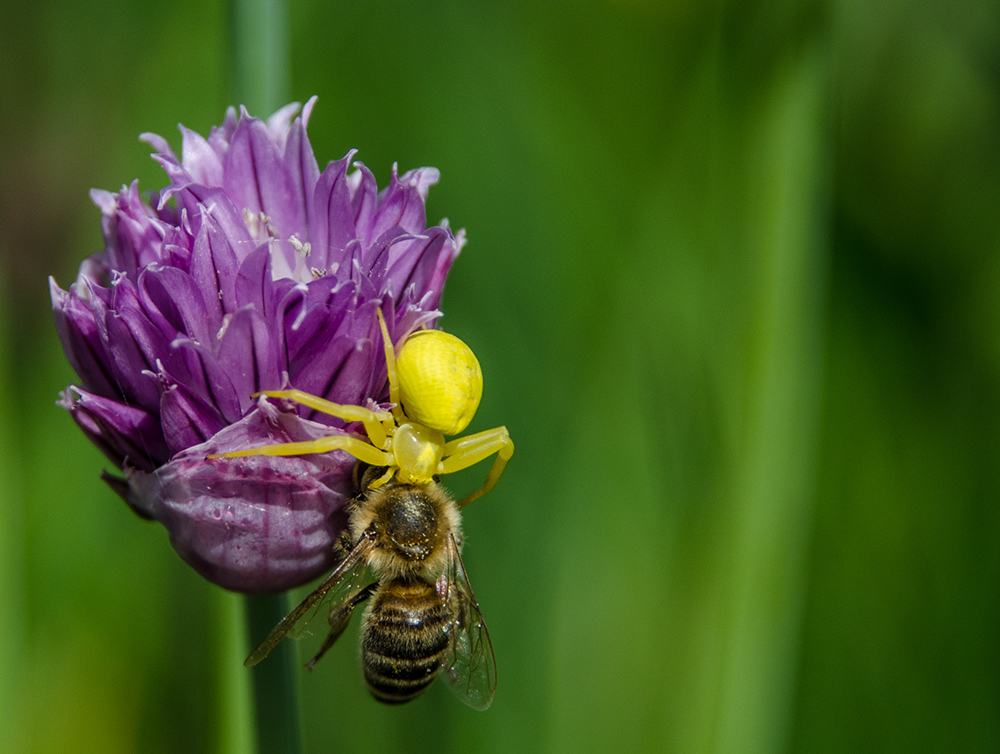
{"x":408,"y":521}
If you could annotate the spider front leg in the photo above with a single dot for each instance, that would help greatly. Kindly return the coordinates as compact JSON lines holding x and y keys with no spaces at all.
{"x":466,"y":451}
{"x":357,"y":448}
{"x":378,"y":426}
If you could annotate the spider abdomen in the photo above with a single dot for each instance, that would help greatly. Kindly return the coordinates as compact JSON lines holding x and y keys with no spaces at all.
{"x":440,"y":380}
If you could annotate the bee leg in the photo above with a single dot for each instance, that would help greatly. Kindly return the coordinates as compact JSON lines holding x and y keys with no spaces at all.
{"x":345,"y":542}
{"x":340,"y":615}
{"x":465,"y":451}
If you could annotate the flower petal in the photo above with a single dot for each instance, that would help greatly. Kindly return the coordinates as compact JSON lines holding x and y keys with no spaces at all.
{"x":133,"y":236}
{"x":198,"y":200}
{"x":254,"y":524}
{"x":187,"y":419}
{"x":174,"y":303}
{"x":312,"y":315}
{"x":136,"y":344}
{"x":200,"y":161}
{"x":278,"y":125}
{"x":194,"y":365}
{"x":213,"y":268}
{"x":126,"y":434}
{"x":421,"y":264}
{"x":258,"y":179}
{"x":254,"y":284}
{"x":402,"y":203}
{"x":364,"y":198}
{"x":249,"y":355}
{"x":331,"y":216}
{"x":81,"y":339}
{"x":342,"y":365}
{"x":302,"y":165}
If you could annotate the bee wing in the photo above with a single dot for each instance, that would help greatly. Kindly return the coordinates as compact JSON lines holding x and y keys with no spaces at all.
{"x":338,"y":587}
{"x":471,"y":673}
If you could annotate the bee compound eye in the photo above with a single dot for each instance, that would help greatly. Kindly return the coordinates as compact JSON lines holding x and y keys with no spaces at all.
{"x":440,"y":381}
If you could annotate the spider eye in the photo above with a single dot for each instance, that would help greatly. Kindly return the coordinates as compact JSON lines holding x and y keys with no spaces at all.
{"x":440,"y":381}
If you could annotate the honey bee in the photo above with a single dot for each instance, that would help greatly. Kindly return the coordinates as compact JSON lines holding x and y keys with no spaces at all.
{"x":422,"y":619}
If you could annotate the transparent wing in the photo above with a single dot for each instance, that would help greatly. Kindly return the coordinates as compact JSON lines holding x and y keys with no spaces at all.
{"x":326,"y":600}
{"x":471,"y":672}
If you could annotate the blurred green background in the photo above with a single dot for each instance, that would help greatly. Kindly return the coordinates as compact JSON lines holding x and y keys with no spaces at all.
{"x":734,"y":280}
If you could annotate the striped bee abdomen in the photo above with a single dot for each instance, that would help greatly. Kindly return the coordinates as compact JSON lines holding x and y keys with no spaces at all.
{"x":404,"y":639}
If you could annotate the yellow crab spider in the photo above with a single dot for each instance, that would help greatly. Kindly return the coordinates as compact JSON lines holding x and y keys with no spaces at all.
{"x":435,"y":384}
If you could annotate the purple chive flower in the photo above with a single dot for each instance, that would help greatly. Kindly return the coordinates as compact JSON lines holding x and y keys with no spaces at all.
{"x":252,"y":270}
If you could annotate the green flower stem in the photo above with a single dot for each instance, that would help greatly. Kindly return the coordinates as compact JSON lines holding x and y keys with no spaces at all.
{"x":14,"y":643}
{"x":259,"y":55}
{"x":234,"y":728}
{"x":259,"y":78}
{"x":274,"y":679}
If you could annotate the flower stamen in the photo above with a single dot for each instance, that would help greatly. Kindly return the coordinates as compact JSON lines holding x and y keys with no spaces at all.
{"x":305,"y":249}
